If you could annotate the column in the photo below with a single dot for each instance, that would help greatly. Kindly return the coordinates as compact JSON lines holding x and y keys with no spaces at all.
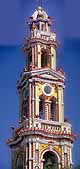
{"x":29,"y":99}
{"x":60,"y":103}
{"x":30,"y":105}
{"x":37,"y":155}
{"x":34,"y":154}
{"x":68,"y":155}
{"x":27,"y":156}
{"x":62,"y":156}
{"x":36,"y":55}
{"x":46,"y":26}
{"x":57,"y":110}
{"x":46,"y":110}
{"x":49,"y":111}
{"x":71,"y":156}
{"x":33,"y":58}
{"x":53,"y":58}
{"x":36,"y":100}
{"x":33,"y":100}
{"x":65,"y":156}
{"x":39,"y":55}
{"x":30,"y":154}
{"x":42,"y":161}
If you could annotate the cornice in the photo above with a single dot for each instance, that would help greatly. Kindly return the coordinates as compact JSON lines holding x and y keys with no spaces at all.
{"x":46,"y":134}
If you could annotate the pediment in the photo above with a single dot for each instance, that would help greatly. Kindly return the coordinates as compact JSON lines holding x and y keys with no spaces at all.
{"x":48,"y":74}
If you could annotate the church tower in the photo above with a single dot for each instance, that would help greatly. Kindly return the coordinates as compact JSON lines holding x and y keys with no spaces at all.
{"x":43,"y":139}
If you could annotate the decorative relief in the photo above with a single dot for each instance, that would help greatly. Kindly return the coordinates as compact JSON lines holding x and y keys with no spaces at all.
{"x":43,"y":147}
{"x":57,"y":149}
{"x":51,"y":147}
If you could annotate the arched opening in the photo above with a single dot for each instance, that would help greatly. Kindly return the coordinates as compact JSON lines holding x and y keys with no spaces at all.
{"x":53,"y":109}
{"x":50,"y":160}
{"x":41,"y":109}
{"x":44,"y":58}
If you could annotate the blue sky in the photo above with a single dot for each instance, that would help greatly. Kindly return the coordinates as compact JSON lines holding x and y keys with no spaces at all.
{"x":13,"y":28}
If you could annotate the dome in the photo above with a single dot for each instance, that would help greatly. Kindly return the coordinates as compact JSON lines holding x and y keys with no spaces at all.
{"x":40,"y":13}
{"x":39,"y":8}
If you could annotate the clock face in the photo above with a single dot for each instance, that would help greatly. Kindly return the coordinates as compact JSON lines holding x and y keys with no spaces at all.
{"x":47,"y":89}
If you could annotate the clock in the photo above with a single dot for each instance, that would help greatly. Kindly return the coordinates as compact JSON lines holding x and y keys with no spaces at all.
{"x":47,"y":89}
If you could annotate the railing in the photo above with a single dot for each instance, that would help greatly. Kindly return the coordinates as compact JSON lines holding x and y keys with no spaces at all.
{"x":51,"y":126}
{"x":56,"y":126}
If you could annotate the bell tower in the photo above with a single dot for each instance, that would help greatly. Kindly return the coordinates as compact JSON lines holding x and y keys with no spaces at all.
{"x":43,"y":139}
{"x":43,"y":50}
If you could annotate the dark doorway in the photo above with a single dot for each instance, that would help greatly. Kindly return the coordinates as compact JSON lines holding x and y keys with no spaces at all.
{"x":50,"y":161}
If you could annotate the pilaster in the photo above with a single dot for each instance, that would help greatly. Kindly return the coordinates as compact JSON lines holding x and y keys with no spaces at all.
{"x":30,"y":153}
{"x":36,"y":101}
{"x":60,"y":104}
{"x":46,"y":109}
{"x":53,"y":58}
{"x":39,"y":55}
{"x":33,"y":56}
{"x":26,"y":156}
{"x":36,"y":59}
{"x":33,"y":100}
{"x":62,"y":148}
{"x":34,"y":155}
{"x":30,"y":96}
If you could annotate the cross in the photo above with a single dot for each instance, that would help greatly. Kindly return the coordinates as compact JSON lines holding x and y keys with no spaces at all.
{"x":40,"y":2}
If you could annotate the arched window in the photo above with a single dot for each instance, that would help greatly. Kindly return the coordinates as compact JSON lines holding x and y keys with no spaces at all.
{"x":41,"y":109}
{"x":53,"y":109}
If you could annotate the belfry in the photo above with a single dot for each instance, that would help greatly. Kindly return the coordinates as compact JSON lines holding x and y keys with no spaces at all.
{"x":43,"y":139}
